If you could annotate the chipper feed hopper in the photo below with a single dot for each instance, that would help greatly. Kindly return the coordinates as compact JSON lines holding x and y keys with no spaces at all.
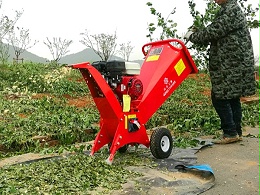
{"x":128,"y":94}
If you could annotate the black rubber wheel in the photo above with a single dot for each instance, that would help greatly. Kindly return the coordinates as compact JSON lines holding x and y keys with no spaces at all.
{"x":123,"y":149}
{"x":161,"y":143}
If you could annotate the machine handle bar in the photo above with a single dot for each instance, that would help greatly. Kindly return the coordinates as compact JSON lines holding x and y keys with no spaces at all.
{"x":162,"y":42}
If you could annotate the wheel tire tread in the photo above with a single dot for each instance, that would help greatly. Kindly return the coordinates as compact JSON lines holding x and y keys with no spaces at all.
{"x":155,"y":142}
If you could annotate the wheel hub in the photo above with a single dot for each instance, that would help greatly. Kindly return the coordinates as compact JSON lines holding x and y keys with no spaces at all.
{"x":165,"y":143}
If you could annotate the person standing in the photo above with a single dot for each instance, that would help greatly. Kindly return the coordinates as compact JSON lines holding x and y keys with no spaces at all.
{"x":231,"y":65}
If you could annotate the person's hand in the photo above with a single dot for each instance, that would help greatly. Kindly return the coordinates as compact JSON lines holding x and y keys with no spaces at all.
{"x":188,"y":34}
{"x":193,"y":28}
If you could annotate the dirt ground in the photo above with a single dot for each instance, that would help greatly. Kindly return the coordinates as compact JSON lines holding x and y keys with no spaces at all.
{"x":235,"y":166}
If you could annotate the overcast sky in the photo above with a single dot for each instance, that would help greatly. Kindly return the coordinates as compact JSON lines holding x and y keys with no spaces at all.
{"x":67,"y":19}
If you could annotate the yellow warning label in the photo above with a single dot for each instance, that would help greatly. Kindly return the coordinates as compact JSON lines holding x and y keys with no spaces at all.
{"x":132,"y":116}
{"x":126,"y":103}
{"x":152,"y":58}
{"x":179,"y":67}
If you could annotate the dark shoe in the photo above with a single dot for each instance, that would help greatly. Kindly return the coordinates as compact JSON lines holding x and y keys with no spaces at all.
{"x":226,"y":140}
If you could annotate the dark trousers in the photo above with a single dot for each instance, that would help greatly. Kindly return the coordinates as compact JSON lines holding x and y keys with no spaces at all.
{"x":230,"y":114}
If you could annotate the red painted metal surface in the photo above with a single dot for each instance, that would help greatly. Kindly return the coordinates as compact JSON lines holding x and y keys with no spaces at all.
{"x":167,"y":63}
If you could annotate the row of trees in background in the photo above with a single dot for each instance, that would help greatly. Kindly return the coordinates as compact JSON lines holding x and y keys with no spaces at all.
{"x":104,"y":45}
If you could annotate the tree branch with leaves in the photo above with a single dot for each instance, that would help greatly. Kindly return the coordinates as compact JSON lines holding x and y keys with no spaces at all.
{"x":167,"y":27}
{"x":200,"y":21}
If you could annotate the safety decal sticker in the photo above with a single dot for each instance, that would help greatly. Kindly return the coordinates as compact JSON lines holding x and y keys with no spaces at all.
{"x":179,"y":67}
{"x":152,"y":58}
{"x":126,"y":103}
{"x":130,"y":116}
{"x":154,"y":54}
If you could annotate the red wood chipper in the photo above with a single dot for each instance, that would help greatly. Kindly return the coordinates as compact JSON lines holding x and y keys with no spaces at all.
{"x":128,"y":94}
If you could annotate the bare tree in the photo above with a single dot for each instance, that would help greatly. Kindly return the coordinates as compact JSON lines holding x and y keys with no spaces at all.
{"x":103,"y":45}
{"x":20,"y":40}
{"x":126,"y":50}
{"x":4,"y":52}
{"x":58,"y":47}
{"x":7,"y":24}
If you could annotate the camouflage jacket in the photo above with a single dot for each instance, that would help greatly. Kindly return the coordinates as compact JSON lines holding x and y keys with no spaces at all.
{"x":231,"y":58}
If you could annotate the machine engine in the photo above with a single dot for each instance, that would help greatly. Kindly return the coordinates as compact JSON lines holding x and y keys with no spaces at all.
{"x":122,"y":77}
